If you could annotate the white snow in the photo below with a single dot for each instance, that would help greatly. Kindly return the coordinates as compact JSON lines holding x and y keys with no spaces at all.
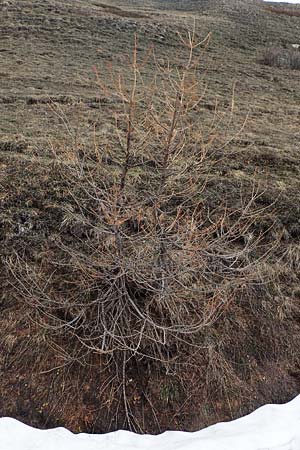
{"x":283,"y":1}
{"x":271,"y":427}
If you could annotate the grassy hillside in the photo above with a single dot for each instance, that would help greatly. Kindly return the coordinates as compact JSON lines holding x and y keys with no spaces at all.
{"x":50,"y":101}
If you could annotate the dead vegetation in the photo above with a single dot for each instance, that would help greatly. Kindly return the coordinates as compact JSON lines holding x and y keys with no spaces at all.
{"x":120,"y":12}
{"x":157,"y":267}
{"x":283,"y":11}
{"x":280,"y":57}
{"x":60,"y":222}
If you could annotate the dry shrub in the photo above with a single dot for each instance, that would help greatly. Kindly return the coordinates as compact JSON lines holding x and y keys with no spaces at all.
{"x":154,"y":268}
{"x":294,"y":59}
{"x":283,"y":11}
{"x":273,"y":56}
{"x":280,"y":57}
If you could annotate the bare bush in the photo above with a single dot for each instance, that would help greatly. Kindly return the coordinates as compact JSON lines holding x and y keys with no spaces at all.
{"x":155,"y":266}
{"x":283,"y":11}
{"x":273,"y":56}
{"x":280,"y":57}
{"x":294,"y":56}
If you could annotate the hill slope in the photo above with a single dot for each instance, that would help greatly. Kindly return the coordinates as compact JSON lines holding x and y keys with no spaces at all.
{"x":48,"y":50}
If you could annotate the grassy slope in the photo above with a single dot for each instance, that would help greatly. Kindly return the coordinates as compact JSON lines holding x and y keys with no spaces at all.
{"x":48,"y":50}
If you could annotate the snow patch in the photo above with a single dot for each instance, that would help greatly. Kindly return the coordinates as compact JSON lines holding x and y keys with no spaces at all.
{"x":271,"y":427}
{"x":283,"y":1}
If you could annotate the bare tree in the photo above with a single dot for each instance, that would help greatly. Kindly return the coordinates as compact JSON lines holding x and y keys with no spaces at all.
{"x":156,"y":267}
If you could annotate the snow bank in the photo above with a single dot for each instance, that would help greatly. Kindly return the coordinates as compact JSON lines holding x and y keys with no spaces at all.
{"x":271,"y":427}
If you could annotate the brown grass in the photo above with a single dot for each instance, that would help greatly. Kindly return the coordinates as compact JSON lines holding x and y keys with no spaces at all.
{"x":120,"y":12}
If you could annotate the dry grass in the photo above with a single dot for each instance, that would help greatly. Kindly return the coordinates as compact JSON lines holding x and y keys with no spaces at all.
{"x":120,"y":12}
